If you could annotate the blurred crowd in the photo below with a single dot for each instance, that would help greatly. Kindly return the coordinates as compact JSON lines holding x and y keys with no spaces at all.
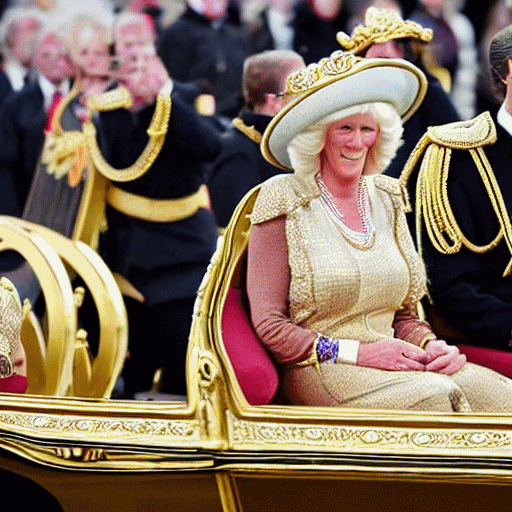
{"x":204,"y":43}
{"x":225,"y":88}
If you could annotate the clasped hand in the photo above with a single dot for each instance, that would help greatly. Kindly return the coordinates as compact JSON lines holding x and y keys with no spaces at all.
{"x":398,"y":355}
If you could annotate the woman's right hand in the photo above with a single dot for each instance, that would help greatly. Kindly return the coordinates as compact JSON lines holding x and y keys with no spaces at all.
{"x":392,"y":354}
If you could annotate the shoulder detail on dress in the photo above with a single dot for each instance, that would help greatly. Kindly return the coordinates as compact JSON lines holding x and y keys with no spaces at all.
{"x":476,"y":132}
{"x":388,"y":184}
{"x":119,"y":97}
{"x":279,"y":195}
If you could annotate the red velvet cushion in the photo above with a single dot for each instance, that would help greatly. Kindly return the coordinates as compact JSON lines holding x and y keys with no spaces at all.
{"x":253,"y":367}
{"x":497,"y":360}
{"x":13,"y":384}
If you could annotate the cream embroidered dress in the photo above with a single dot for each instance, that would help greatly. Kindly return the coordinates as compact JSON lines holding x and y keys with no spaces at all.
{"x":346,"y":288}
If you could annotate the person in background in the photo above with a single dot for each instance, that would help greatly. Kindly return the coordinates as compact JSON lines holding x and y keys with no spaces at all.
{"x":333,"y":279}
{"x":26,"y":114}
{"x":240,"y":165}
{"x":316,"y":23}
{"x":153,"y":147}
{"x":308,"y":27}
{"x":56,"y":191}
{"x":272,"y":27}
{"x":19,"y":31}
{"x":454,"y":48}
{"x":202,"y":45}
{"x":135,"y":34}
{"x":467,"y":244}
{"x":499,"y":16}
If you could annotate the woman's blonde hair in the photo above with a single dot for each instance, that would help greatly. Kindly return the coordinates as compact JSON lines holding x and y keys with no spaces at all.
{"x":305,"y":148}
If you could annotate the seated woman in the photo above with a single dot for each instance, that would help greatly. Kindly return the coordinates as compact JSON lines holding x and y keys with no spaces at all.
{"x":13,"y":368}
{"x":333,"y":276}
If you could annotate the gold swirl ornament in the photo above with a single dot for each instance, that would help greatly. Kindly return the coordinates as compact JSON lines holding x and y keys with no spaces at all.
{"x":380,"y":26}
{"x":10,"y":325}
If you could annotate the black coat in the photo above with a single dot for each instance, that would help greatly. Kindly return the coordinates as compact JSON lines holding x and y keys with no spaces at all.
{"x":5,"y":86}
{"x":436,"y":109}
{"x":194,"y":49}
{"x":22,"y":122}
{"x":313,"y":38}
{"x":239,"y":167}
{"x":468,"y":289}
{"x":163,"y":260}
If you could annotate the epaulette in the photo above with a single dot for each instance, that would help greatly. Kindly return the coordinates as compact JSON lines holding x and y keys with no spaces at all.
{"x":389,"y":184}
{"x":393,"y":187}
{"x":474,"y":133}
{"x":281,"y":195}
{"x":120,"y":97}
{"x":433,"y":208}
{"x":469,"y":135}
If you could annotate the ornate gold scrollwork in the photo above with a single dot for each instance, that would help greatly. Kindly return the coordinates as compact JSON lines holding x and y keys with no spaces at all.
{"x":50,"y":365}
{"x":210,"y":404}
{"x":98,"y":379}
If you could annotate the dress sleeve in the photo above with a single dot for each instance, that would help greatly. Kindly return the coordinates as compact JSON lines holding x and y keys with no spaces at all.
{"x":268,"y":282}
{"x":410,"y":328}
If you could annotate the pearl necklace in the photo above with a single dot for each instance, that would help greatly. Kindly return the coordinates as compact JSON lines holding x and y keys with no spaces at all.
{"x":360,"y":240}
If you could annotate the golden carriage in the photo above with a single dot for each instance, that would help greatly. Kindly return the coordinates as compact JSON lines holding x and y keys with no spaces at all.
{"x":219,"y":451}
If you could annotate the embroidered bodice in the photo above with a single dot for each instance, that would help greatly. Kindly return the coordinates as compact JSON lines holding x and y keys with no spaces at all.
{"x":337,"y":287}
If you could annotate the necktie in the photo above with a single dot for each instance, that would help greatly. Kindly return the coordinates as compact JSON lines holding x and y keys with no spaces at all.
{"x":56,"y":99}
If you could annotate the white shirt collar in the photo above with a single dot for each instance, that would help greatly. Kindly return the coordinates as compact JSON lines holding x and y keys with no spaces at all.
{"x":505,"y":119}
{"x":15,"y":73}
{"x":48,"y":89}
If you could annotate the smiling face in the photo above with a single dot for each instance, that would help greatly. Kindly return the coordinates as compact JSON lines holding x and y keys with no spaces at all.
{"x":347,"y":142}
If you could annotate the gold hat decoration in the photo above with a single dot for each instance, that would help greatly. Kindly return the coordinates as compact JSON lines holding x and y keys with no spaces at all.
{"x":380,"y":26}
{"x":11,"y":316}
{"x":335,"y":83}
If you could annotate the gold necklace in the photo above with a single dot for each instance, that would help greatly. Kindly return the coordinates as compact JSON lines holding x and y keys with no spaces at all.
{"x":249,"y":131}
{"x":157,"y":132}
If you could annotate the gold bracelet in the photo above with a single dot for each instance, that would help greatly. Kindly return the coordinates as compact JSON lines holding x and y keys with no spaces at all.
{"x":426,"y":339}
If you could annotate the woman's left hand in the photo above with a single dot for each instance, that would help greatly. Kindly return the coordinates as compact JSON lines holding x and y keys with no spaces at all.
{"x":444,"y":358}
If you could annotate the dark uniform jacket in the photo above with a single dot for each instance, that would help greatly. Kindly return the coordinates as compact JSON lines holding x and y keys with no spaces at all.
{"x":5,"y":86}
{"x":436,"y":109}
{"x":22,"y":122}
{"x":469,"y":289}
{"x":163,"y":260}
{"x":239,"y":167}
{"x":313,"y":38}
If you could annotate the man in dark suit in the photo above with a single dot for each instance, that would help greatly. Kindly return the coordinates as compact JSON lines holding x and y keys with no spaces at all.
{"x":240,"y":165}
{"x":161,"y":233}
{"x":204,"y":45}
{"x":24,"y":116}
{"x":18,"y":34}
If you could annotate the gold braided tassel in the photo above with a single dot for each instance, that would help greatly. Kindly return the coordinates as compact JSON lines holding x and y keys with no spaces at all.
{"x":157,"y":132}
{"x":433,"y":206}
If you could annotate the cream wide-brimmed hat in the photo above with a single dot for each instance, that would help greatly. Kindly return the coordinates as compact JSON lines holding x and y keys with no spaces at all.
{"x":335,"y":83}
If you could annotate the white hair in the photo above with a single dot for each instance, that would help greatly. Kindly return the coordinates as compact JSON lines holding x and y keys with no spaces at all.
{"x":305,"y":148}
